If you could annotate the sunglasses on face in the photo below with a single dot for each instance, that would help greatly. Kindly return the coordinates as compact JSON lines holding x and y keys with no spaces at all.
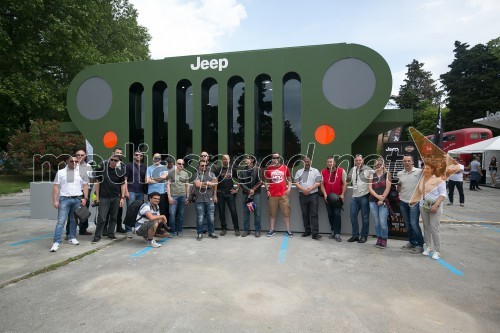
{"x":204,"y":155}
{"x":157,"y":158}
{"x":113,"y":160}
{"x":180,"y":163}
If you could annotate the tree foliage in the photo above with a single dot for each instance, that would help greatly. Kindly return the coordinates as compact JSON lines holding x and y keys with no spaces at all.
{"x":472,"y":84}
{"x":419,"y":93}
{"x":45,"y":43}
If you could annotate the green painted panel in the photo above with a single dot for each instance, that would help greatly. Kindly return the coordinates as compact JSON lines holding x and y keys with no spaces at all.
{"x":355,"y":77}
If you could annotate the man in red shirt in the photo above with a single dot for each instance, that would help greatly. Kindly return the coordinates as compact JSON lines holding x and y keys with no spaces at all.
{"x":278,"y":184}
{"x":334,"y":181}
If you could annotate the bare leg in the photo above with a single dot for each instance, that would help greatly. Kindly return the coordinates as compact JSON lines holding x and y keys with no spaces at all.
{"x":287,"y":223}
{"x":271,"y":222}
{"x":152,"y":231}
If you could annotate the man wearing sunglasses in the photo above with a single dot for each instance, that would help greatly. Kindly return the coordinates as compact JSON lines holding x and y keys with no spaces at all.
{"x":135,"y":176}
{"x":110,"y":189}
{"x":278,"y":183}
{"x":156,"y":176}
{"x":206,"y":197}
{"x":177,"y":192}
{"x":120,"y":167}
{"x":226,"y":194}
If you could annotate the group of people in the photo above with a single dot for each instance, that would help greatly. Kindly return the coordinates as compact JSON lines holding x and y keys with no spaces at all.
{"x":169,"y":190}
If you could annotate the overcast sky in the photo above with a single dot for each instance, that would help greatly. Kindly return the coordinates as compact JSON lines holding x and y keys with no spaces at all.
{"x":400,"y":30}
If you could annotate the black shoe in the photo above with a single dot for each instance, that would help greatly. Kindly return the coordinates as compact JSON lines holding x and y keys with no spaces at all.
{"x":316,"y":236}
{"x":113,"y":237}
{"x":245,"y":233}
{"x":95,"y":240}
{"x":214,"y":236}
{"x":85,"y":233}
{"x":223,"y":232}
{"x":120,"y":230}
{"x":362,"y":240}
{"x":353,"y":239}
{"x":204,"y":232}
{"x":337,"y":238}
{"x":104,"y":234}
{"x":236,"y":232}
{"x":305,"y":234}
{"x":257,"y":234}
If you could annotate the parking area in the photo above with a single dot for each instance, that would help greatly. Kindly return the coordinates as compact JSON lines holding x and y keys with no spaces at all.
{"x":250,"y":284}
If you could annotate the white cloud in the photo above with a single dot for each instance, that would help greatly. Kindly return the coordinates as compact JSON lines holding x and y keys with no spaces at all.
{"x":188,"y":27}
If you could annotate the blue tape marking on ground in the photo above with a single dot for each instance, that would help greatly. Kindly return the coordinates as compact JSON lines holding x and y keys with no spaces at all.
{"x":491,"y":227}
{"x":284,"y":247}
{"x":31,"y":239}
{"x":450,"y":267}
{"x":7,"y":220}
{"x":147,"y":248}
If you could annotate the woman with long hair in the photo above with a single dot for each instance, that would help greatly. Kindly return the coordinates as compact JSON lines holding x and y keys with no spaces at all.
{"x":379,"y":185}
{"x":492,"y":167}
{"x":433,"y":190}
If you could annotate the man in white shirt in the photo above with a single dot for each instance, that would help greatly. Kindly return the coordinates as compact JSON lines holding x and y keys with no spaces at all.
{"x":359,"y":175}
{"x":457,"y":180}
{"x":307,"y":181}
{"x":72,"y":190}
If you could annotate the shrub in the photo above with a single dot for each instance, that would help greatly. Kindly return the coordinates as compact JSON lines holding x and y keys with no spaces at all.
{"x":43,"y":139}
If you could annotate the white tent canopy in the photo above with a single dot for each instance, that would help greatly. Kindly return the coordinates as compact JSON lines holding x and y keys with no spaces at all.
{"x":492,"y":144}
{"x":488,"y":148}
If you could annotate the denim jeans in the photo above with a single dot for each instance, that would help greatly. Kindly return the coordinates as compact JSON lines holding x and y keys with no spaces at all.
{"x":176,"y":210}
{"x":256,"y":212}
{"x":228,"y":198}
{"x":133,"y":197}
{"x":334,"y":216}
{"x":107,"y":206}
{"x":67,"y":206}
{"x":309,"y":208}
{"x":205,"y":215}
{"x":410,"y":216}
{"x":379,"y":214}
{"x":357,"y":204}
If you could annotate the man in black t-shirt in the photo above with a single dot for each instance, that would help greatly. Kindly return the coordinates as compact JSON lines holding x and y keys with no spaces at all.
{"x":226,"y":194}
{"x":110,"y":193}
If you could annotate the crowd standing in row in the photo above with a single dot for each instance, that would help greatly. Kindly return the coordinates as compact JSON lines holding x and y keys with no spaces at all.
{"x":421,"y":193}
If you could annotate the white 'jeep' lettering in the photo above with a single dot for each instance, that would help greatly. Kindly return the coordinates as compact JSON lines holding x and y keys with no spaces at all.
{"x":212,"y":64}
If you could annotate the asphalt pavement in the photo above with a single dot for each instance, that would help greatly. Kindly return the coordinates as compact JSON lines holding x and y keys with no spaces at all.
{"x":236,"y":284}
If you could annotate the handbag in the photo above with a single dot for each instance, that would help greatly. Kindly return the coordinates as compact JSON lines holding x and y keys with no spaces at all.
{"x":82,"y":213}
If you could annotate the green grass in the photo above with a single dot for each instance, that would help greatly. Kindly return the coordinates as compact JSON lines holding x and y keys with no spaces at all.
{"x":15,"y":183}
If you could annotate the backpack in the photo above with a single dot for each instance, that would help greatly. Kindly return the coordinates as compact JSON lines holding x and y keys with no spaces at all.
{"x":131,"y":214}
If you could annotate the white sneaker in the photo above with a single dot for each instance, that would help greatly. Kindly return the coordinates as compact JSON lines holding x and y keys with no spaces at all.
{"x":155,"y":244}
{"x":54,"y":247}
{"x":436,"y":255}
{"x":73,"y":241}
{"x":427,"y":251}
